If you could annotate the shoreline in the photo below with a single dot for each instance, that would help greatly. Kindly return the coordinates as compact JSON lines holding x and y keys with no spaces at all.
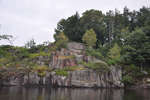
{"x":75,"y":87}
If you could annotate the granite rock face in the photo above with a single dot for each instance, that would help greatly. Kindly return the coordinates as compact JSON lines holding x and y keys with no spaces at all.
{"x":61,"y":59}
{"x":82,"y":78}
{"x":86,"y":77}
{"x":69,"y":57}
{"x":27,"y":79}
{"x":89,"y":78}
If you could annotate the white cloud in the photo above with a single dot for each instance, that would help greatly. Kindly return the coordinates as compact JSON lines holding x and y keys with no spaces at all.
{"x":27,"y":19}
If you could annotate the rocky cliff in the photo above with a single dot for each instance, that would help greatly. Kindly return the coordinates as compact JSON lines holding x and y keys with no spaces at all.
{"x":88,"y":78}
{"x":66,"y":70}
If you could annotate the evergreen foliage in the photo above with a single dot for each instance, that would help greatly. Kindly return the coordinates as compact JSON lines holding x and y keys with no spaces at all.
{"x":89,"y":38}
{"x":61,"y":40}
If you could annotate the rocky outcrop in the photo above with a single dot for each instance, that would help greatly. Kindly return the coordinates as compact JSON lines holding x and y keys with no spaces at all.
{"x":61,"y":59}
{"x":69,"y":57}
{"x":89,"y":78}
{"x":27,"y":79}
{"x":82,"y":78}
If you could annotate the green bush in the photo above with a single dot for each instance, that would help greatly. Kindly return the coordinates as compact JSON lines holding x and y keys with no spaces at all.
{"x":61,"y":72}
{"x":35,"y":55}
{"x":114,"y":52}
{"x":3,"y":60}
{"x":114,"y":56}
{"x":5,"y":51}
{"x":127,"y":80}
{"x":41,"y":70}
{"x":113,"y":61}
{"x":98,"y":66}
{"x":44,"y":54}
{"x":95,"y":53}
{"x":134,"y":71}
{"x":73,"y":68}
{"x":67,"y":57}
{"x":61,"y":40}
{"x":89,"y":38}
{"x":21,"y":52}
{"x":41,"y":74}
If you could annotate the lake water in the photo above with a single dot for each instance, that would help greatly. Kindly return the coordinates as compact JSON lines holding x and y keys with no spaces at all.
{"x":21,"y":93}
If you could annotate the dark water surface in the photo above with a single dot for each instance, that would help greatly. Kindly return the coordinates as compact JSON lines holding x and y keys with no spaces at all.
{"x":22,"y":93}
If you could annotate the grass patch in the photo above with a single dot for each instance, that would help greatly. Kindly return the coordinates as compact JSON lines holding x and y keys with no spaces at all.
{"x":97,"y":66}
{"x":64,"y":71}
{"x":41,"y":70}
{"x":61,"y":72}
{"x":35,"y":55}
{"x":66,"y":57}
{"x":73,"y":68}
{"x":92,"y":52}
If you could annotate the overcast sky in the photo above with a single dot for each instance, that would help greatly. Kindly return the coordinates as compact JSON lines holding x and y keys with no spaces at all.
{"x":27,"y":19}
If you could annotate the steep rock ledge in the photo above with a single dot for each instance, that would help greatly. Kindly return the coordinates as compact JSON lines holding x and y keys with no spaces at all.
{"x":89,"y":78}
{"x":69,"y":57}
{"x":82,"y":78}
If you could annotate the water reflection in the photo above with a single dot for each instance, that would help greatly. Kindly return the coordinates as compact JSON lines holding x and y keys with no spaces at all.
{"x":20,"y":93}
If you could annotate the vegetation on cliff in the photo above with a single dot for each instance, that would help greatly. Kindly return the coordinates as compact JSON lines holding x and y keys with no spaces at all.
{"x":121,"y":39}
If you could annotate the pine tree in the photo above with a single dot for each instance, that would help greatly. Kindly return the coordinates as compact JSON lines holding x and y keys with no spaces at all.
{"x":89,"y":38}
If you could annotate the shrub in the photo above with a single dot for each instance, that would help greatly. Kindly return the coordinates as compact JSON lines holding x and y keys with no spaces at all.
{"x":134,"y":71}
{"x":3,"y":60}
{"x":4,"y":50}
{"x":98,"y":66}
{"x":73,"y":68}
{"x":61,"y":72}
{"x":114,"y":53}
{"x":35,"y":55}
{"x":89,"y":38}
{"x":44,"y":54}
{"x":41,"y":70}
{"x":22,"y":52}
{"x":127,"y":80}
{"x":66,"y":57}
{"x":95,"y":53}
{"x":41,"y":74}
{"x":61,"y":40}
{"x":113,"y":61}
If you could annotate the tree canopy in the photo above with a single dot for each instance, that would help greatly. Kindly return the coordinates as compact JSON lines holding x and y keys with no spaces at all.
{"x":89,"y":38}
{"x":130,"y":30}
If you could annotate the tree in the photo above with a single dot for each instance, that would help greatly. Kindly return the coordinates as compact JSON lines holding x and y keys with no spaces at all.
{"x":143,"y":17}
{"x":30,"y":44}
{"x":126,"y":16}
{"x":137,"y":48}
{"x":71,"y":28}
{"x":114,"y":52}
{"x":9,"y":38}
{"x":109,"y":19}
{"x":61,"y":40}
{"x":90,"y":38}
{"x":75,"y":26}
{"x":94,"y":19}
